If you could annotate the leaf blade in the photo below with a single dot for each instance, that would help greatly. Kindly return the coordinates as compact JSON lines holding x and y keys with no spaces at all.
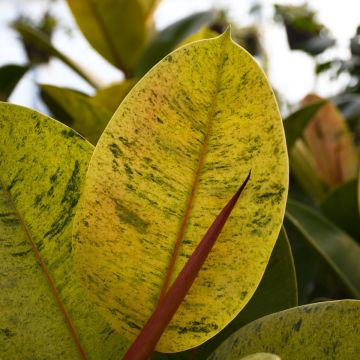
{"x":43,"y":164}
{"x":321,"y":324}
{"x":146,"y":166}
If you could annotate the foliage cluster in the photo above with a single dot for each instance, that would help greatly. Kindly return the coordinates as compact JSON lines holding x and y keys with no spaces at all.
{"x":102,"y":212}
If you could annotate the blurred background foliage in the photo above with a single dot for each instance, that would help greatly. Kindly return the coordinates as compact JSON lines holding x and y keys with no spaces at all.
{"x":323,"y":134}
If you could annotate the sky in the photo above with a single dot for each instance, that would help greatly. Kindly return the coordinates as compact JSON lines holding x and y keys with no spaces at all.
{"x":291,"y":72}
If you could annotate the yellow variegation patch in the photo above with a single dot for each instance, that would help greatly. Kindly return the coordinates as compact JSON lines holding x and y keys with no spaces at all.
{"x":171,"y":157}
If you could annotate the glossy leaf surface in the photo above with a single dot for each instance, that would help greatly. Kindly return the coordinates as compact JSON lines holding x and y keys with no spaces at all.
{"x":10,"y":75}
{"x":44,"y":311}
{"x":160,"y":175}
{"x":322,"y":331}
{"x":77,"y":110}
{"x":279,"y":279}
{"x":338,"y":249}
{"x":115,"y":28}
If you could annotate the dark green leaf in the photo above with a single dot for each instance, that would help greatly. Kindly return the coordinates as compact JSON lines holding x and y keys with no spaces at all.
{"x":39,"y":41}
{"x":341,"y":207}
{"x":166,"y":40}
{"x":295,"y":123}
{"x":335,"y":247}
{"x":10,"y":75}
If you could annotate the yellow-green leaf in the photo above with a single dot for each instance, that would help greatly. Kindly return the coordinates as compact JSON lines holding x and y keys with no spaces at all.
{"x":115,"y":28}
{"x":43,"y":306}
{"x":204,"y":33}
{"x":111,"y":97}
{"x":81,"y":112}
{"x":261,"y":356}
{"x":322,"y":331}
{"x":172,"y":155}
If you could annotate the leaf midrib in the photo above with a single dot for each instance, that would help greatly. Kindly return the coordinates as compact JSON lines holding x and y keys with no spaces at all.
{"x":196,"y":178}
{"x":46,"y":273}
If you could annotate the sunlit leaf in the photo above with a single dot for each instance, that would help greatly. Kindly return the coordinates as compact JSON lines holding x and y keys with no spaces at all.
{"x":277,"y":291}
{"x":336,"y":248}
{"x":322,"y":331}
{"x":10,"y":75}
{"x":160,"y":174}
{"x":77,"y":110}
{"x":115,"y":28}
{"x":261,"y":356}
{"x":44,"y":311}
{"x":144,"y":345}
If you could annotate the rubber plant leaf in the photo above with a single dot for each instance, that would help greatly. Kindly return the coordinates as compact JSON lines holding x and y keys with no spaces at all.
{"x":325,"y":330}
{"x":37,"y":40}
{"x":339,"y":251}
{"x":114,"y":28}
{"x":44,"y":311}
{"x":160,"y":174}
{"x":296,"y":122}
{"x":10,"y":75}
{"x":76,"y":110}
{"x":279,"y":279}
{"x":169,"y":38}
{"x":111,"y":96}
{"x":146,"y":341}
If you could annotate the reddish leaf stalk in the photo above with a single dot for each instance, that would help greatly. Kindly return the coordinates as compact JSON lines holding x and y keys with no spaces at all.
{"x":146,"y":341}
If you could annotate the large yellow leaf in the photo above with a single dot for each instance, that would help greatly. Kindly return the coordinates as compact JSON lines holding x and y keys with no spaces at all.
{"x":45,"y":313}
{"x":171,"y":157}
{"x":115,"y":28}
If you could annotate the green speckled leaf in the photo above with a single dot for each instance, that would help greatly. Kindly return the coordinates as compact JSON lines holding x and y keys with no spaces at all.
{"x":42,"y":168}
{"x":77,"y":110}
{"x":173,"y":154}
{"x":261,"y":356}
{"x":279,"y":279}
{"x":322,"y":331}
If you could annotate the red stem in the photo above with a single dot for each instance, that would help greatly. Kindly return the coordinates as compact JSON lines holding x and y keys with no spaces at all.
{"x":146,"y":341}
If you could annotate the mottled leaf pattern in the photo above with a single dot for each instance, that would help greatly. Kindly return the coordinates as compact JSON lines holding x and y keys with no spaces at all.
{"x":322,"y":331}
{"x":42,"y":168}
{"x":159,"y":176}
